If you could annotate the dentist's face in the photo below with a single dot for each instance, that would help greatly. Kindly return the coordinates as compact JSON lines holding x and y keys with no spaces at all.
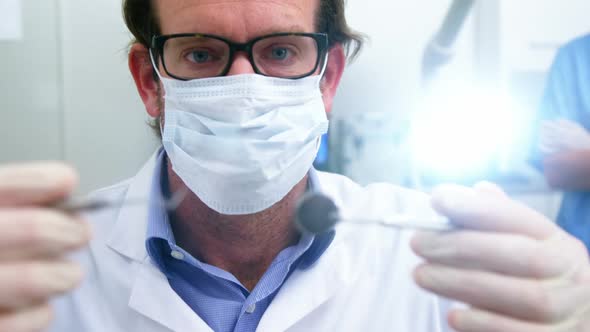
{"x":237,"y":20}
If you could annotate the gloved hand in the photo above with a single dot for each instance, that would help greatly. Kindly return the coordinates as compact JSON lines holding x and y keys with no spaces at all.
{"x":562,"y":135}
{"x":517,"y":271}
{"x":33,"y":241}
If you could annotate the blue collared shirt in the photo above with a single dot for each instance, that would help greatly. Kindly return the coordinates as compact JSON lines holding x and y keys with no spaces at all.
{"x":214,"y":294}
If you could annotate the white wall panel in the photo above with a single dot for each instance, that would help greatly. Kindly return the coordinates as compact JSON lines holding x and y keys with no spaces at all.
{"x":30,"y":93}
{"x":532,"y":30}
{"x":105,"y":123}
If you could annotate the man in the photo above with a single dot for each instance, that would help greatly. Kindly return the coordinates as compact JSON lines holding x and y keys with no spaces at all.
{"x":564,"y":139}
{"x":238,"y":84}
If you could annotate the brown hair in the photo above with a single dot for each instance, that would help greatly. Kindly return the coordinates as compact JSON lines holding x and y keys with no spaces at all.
{"x":141,"y":19}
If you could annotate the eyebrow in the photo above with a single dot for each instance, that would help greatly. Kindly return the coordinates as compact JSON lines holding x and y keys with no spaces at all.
{"x":293,"y":28}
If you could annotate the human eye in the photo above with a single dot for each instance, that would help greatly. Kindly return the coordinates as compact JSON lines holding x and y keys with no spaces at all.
{"x":200,"y":56}
{"x":285,"y":55}
{"x":280,"y":53}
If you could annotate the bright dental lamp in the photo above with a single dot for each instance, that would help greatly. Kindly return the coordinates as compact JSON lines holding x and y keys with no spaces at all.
{"x":465,"y":133}
{"x":462,"y":132}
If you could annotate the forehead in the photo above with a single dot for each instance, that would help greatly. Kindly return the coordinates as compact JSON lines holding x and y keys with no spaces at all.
{"x":238,"y":20}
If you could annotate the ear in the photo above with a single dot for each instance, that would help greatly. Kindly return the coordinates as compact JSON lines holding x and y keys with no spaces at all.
{"x":332,"y":76}
{"x":141,"y":68}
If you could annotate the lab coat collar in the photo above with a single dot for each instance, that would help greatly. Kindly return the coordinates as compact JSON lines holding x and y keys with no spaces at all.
{"x":306,"y":290}
{"x":128,"y":234}
{"x":153,"y":297}
{"x":303,"y":292}
{"x":150,"y":288}
{"x":310,"y":287}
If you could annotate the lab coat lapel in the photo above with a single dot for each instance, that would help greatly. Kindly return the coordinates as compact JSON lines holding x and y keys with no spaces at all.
{"x":306,"y":290}
{"x":153,"y":297}
{"x":151,"y":294}
{"x":129,"y":232}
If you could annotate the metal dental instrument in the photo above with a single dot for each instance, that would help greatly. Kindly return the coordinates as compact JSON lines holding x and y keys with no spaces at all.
{"x":317,"y":214}
{"x":92,"y":204}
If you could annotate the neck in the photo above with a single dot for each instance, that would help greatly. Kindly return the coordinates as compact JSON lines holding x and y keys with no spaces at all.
{"x":244,"y":245}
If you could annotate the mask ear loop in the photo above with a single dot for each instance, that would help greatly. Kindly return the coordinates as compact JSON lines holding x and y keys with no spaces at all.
{"x":325,"y":65}
{"x":323,"y":71}
{"x":152,"y":59}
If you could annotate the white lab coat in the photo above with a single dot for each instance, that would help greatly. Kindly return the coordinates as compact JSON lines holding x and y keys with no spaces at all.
{"x":363,"y":282}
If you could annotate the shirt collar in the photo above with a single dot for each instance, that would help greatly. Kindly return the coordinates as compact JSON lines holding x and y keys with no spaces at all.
{"x":159,"y":223}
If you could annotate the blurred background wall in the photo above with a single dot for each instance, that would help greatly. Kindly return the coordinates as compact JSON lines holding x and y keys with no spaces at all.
{"x":66,"y":92}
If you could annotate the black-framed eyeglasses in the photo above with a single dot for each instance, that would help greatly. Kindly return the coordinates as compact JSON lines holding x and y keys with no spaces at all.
{"x":190,"y":56}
